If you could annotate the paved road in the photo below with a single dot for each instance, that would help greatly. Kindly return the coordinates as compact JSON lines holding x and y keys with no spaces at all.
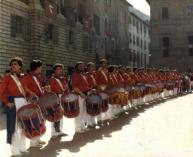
{"x":162,"y":130}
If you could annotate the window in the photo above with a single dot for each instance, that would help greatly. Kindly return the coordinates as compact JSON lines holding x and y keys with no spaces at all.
{"x":20,"y":27}
{"x":190,"y":44}
{"x":134,"y":22}
{"x":133,"y":39}
{"x":145,"y":31}
{"x":96,"y":21}
{"x":141,"y":43}
{"x":165,"y":13}
{"x":190,"y":51}
{"x":71,"y":37}
{"x":130,"y":20}
{"x":145,"y":45}
{"x":130,"y":37}
{"x":137,"y":41}
{"x":165,"y":42}
{"x":190,"y":40}
{"x":51,"y":33}
{"x":137,"y":25}
{"x":166,"y":46}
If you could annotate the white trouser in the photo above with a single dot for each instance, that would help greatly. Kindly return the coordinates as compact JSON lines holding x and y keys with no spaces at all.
{"x":18,"y":141}
{"x":81,"y":119}
{"x":91,"y":120}
{"x":34,"y":141}
{"x":53,"y":130}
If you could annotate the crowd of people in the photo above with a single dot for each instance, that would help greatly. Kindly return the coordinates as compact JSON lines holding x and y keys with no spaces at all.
{"x":119,"y":88}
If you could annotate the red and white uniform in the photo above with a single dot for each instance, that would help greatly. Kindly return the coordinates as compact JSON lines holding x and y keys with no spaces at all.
{"x":91,"y":80}
{"x":102,"y":77}
{"x":80,"y":82}
{"x":12,"y":86}
{"x":32,"y":85}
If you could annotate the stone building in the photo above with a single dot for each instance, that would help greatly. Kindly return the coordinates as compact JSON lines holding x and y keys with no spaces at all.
{"x":50,"y":30}
{"x":172,"y":33}
{"x":139,"y":39}
{"x":63,"y":31}
{"x":111,"y":26}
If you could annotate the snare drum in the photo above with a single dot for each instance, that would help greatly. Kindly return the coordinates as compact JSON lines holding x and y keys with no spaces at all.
{"x":31,"y":120}
{"x":118,"y":96}
{"x":70,"y":105}
{"x":93,"y":104}
{"x":51,"y":107}
{"x":105,"y":101}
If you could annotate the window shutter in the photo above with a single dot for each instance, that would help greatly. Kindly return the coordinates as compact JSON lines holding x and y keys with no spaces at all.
{"x":13,"y":25}
{"x":27,"y":30}
{"x":55,"y":35}
{"x":67,"y":40}
{"x":74,"y":41}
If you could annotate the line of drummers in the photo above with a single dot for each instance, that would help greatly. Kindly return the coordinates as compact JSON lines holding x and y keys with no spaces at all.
{"x":95,"y":96}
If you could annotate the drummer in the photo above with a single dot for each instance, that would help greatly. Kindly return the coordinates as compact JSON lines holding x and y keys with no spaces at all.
{"x":11,"y":93}
{"x":90,"y":75}
{"x":102,"y":81}
{"x":59,"y":86}
{"x":34,"y":89}
{"x":80,"y":86}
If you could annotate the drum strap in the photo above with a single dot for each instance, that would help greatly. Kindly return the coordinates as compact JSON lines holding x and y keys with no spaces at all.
{"x":93,"y":79}
{"x":18,"y":83}
{"x":84,"y":78}
{"x":122,"y":79}
{"x":60,"y":84}
{"x":105,"y":76}
{"x":38,"y":84}
{"x":115,"y":78}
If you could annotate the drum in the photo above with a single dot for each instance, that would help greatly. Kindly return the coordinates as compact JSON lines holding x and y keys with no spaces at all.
{"x":93,"y":104}
{"x":105,"y":101}
{"x":51,"y":107}
{"x":118,"y":96}
{"x":70,"y":105}
{"x":31,"y":120}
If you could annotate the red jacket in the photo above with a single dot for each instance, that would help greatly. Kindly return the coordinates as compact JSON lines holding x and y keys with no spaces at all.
{"x":91,"y":80}
{"x":102,"y":77}
{"x":80,"y":81}
{"x":31,"y":86}
{"x":56,"y":87}
{"x":9,"y":88}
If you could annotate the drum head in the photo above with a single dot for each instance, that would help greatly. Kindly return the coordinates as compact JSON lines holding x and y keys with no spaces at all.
{"x":27,"y":110}
{"x":69,"y":97}
{"x":48,"y":99}
{"x":104,"y":95}
{"x":94,"y":99}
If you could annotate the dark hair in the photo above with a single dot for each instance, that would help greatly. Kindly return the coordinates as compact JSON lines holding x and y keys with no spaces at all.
{"x":7,"y":71}
{"x":35,"y":64}
{"x":111,"y":68}
{"x":18,"y":60}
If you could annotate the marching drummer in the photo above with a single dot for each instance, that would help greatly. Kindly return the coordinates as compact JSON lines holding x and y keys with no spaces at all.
{"x":90,"y":75}
{"x":80,"y":86}
{"x":12,"y":94}
{"x":34,"y":88}
{"x":102,"y":81}
{"x":59,"y":86}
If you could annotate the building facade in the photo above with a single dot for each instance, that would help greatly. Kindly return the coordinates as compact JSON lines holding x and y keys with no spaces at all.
{"x":139,"y":39}
{"x":50,"y":30}
{"x":63,"y":31}
{"x":172,"y":33}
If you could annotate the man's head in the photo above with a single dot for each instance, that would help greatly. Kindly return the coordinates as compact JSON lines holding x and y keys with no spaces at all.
{"x":58,"y":69}
{"x":36,"y":66}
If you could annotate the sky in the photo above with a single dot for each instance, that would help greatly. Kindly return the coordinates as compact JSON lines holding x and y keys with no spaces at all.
{"x":141,"y":5}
